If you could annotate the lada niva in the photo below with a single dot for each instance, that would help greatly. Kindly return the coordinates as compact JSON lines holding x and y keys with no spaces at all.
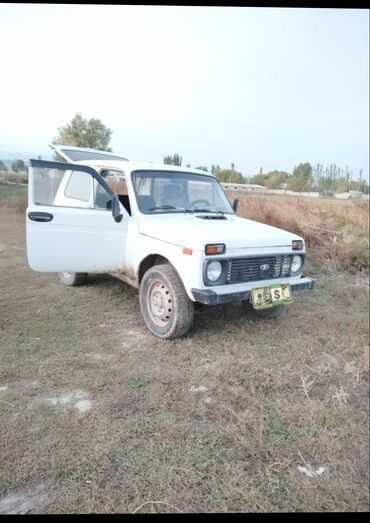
{"x":167,"y":230}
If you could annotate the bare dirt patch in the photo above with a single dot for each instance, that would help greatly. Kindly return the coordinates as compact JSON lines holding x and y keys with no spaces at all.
{"x":24,"y":502}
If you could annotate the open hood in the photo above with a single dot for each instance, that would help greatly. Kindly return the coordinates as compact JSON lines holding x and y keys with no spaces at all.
{"x":77,"y":154}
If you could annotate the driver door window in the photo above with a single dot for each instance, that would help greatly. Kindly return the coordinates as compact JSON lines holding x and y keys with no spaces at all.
{"x":63,"y":188}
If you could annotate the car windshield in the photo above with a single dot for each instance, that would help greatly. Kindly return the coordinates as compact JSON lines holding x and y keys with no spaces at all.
{"x":170,"y":192}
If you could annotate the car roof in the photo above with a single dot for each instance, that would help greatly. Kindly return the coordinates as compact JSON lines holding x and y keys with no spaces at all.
{"x":120,"y":162}
{"x":131,"y":165}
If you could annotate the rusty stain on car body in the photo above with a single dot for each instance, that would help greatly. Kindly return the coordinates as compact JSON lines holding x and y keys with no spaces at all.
{"x":126,"y":274}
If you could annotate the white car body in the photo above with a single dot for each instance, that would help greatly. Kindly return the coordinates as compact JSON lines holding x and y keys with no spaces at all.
{"x":84,"y":239}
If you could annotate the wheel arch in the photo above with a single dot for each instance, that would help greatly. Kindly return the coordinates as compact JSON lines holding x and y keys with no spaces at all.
{"x":148,"y":262}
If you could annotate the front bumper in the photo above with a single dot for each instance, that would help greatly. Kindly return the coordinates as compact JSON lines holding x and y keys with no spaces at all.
{"x":210,"y":297}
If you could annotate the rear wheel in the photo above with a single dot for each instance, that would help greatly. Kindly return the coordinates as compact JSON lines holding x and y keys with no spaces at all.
{"x":165,"y":306}
{"x":73,"y":279}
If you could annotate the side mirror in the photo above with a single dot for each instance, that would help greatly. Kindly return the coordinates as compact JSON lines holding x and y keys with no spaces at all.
{"x":235,"y":204}
{"x":116,"y":211}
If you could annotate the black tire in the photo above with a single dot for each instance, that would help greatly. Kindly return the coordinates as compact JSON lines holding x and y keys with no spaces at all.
{"x":73,"y":279}
{"x":274,"y":312}
{"x":166,"y":308}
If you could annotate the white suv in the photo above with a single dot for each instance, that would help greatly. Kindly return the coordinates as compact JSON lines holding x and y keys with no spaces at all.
{"x":169,"y":231}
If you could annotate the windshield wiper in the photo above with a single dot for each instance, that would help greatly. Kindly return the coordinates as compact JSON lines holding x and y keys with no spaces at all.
{"x":162,"y":207}
{"x":206,"y":210}
{"x":169,"y":207}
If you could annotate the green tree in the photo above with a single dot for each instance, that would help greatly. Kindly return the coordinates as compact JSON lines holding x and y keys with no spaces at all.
{"x":80,"y":132}
{"x":18,"y":165}
{"x":230,"y":176}
{"x":275,"y":179}
{"x":259,"y":179}
{"x":301,"y":181}
{"x":172,"y":160}
{"x":3,"y":167}
{"x":202,"y":168}
{"x":215,"y":169}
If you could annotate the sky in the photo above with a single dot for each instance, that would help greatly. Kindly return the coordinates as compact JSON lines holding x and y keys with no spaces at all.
{"x":257,"y":87}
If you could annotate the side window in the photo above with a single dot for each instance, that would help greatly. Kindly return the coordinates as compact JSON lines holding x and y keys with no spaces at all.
{"x":78,"y":186}
{"x":46,"y":183}
{"x":62,"y":187}
{"x":116,"y":180}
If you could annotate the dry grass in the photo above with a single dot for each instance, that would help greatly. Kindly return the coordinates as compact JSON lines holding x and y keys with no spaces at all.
{"x":336,"y":231}
{"x":13,"y":198}
{"x":217,"y":421}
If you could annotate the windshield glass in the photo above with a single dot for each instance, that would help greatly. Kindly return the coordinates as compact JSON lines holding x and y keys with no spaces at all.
{"x":169,"y":192}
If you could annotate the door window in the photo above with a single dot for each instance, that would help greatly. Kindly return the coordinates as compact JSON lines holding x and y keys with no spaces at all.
{"x":62,"y":187}
{"x":78,"y":186}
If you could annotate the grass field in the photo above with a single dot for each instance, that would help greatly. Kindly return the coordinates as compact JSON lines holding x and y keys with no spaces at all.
{"x":97,"y":415}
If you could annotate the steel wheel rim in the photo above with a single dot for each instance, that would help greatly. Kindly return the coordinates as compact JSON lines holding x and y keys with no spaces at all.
{"x":67,"y":275}
{"x":159,"y":300}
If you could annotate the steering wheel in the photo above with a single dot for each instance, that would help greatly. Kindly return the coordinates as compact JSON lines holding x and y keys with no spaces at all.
{"x":199,"y":201}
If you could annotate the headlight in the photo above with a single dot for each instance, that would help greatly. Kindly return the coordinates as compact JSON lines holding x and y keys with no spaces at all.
{"x":296,"y":264}
{"x":214,"y":270}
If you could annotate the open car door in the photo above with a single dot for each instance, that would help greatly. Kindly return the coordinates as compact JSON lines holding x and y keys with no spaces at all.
{"x":74,"y":220}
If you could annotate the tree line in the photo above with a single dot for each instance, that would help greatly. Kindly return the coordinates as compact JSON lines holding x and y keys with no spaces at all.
{"x":93,"y":134}
{"x":17,"y":165}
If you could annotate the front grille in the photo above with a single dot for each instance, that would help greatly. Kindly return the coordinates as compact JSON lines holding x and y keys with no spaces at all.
{"x":261,"y":268}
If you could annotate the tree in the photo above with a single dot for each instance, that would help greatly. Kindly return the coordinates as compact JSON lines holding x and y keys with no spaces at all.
{"x":215,"y":169}
{"x":18,"y":165}
{"x":3,"y":167}
{"x":301,"y":179}
{"x":259,"y":179}
{"x":275,"y":179}
{"x":230,"y":176}
{"x":172,"y":160}
{"x":80,"y":132}
{"x":202,"y":168}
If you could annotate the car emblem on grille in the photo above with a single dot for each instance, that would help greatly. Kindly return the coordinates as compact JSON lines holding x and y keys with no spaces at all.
{"x":264,"y":267}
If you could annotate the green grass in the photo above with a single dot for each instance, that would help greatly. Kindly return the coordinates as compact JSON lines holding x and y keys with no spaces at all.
{"x":13,"y":190}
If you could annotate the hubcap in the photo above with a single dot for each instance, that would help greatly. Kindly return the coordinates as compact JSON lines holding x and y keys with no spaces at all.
{"x":67,"y":274}
{"x":159,"y":303}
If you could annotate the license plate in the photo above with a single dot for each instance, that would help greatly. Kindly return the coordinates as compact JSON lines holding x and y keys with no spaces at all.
{"x":272,"y":296}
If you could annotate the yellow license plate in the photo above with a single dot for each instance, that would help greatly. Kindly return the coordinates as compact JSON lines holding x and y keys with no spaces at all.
{"x":272,"y":296}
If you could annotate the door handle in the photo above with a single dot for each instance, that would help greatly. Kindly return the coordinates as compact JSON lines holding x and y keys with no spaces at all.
{"x":40,"y":216}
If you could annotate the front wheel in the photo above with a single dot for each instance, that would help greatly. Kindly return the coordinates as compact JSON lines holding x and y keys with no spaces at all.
{"x":165,"y":306}
{"x":73,"y":279}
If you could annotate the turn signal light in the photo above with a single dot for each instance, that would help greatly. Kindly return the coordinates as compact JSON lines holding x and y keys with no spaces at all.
{"x":297,"y":245}
{"x":215,"y":248}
